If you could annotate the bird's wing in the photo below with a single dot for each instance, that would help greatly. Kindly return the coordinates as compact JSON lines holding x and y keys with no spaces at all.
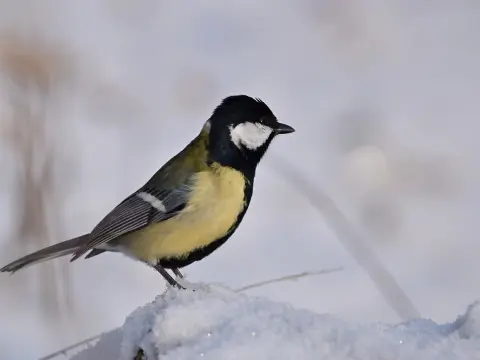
{"x":162,"y":197}
{"x":146,"y":206}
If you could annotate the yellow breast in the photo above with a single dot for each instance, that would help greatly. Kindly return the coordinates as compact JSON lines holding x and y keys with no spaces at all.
{"x":217,"y":198}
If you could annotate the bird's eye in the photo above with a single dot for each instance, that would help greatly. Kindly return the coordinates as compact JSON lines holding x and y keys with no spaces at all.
{"x":266,"y":120}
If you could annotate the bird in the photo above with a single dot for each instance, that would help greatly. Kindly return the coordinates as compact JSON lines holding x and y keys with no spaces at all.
{"x":192,"y":205}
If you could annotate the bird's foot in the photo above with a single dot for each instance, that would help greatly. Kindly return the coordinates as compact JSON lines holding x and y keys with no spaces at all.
{"x":177,"y":273}
{"x":188,"y":285}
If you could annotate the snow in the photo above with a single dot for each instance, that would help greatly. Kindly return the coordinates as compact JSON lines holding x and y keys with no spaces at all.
{"x":217,"y":323}
{"x":350,"y":76}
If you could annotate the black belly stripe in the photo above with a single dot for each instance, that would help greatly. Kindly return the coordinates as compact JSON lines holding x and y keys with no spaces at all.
{"x":196,"y":255}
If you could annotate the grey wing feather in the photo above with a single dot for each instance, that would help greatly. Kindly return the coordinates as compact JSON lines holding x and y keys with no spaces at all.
{"x":136,"y":212}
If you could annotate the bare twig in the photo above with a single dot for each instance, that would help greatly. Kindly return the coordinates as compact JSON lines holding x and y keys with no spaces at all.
{"x":288,"y":278}
{"x":64,"y":351}
{"x":353,"y":242}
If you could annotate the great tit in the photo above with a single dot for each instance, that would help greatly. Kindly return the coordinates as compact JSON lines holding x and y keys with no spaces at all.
{"x":193,"y":204}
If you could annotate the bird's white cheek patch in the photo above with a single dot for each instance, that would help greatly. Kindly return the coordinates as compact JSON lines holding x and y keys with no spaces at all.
{"x":250,"y":135}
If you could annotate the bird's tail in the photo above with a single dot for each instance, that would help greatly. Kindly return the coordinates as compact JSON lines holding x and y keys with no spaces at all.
{"x":52,"y":252}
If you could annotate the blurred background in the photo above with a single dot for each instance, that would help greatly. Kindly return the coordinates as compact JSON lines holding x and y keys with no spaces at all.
{"x":95,"y":95}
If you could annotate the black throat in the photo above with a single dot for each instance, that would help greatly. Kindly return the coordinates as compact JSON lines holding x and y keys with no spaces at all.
{"x":223,"y":151}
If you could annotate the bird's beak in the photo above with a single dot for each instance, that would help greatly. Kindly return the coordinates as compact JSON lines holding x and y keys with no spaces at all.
{"x":284,"y":129}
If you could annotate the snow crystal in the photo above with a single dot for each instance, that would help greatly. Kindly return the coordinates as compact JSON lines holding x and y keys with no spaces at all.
{"x":214,"y":324}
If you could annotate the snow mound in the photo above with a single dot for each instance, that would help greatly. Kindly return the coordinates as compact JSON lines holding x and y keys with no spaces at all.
{"x":216,"y":323}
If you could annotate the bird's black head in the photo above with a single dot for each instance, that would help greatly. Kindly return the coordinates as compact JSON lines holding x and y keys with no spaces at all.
{"x":240,"y":130}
